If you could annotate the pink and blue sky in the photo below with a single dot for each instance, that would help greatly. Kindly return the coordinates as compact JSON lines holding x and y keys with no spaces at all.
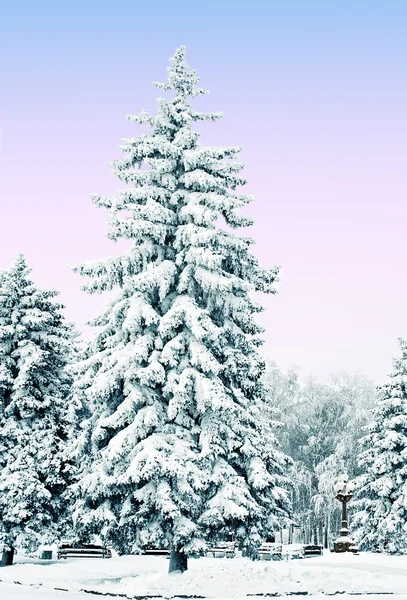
{"x":316,"y":93}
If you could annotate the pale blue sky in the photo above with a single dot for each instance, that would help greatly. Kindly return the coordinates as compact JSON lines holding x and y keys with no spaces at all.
{"x":316,"y":94}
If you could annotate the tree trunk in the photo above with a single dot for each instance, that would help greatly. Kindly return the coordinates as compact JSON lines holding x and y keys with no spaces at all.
{"x":321,"y":533}
{"x":326,"y":532}
{"x":178,"y":562}
{"x":7,"y":558}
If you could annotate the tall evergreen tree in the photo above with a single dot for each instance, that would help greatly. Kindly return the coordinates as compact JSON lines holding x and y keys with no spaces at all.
{"x":174,"y":374}
{"x":380,"y":523}
{"x":35,"y":344}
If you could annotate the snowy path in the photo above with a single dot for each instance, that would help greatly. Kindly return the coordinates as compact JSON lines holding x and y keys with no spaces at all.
{"x":10,"y":591}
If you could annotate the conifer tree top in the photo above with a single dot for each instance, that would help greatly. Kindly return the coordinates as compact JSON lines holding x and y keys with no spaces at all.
{"x":181,"y":78}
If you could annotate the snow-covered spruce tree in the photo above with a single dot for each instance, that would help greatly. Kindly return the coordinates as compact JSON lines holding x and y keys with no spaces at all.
{"x":35,"y":344}
{"x":174,"y":374}
{"x":380,"y":523}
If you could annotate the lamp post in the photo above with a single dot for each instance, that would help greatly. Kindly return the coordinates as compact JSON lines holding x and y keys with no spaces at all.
{"x":344,"y":492}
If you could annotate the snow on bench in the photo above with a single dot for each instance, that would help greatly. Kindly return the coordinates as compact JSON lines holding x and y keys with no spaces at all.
{"x":86,"y":551}
{"x":156,"y":552}
{"x":270,"y":551}
{"x":222,"y":550}
{"x":312,"y":550}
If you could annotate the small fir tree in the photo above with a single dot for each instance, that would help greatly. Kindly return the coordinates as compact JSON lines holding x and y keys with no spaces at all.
{"x":380,"y":523}
{"x":35,"y":344}
{"x":174,"y":376}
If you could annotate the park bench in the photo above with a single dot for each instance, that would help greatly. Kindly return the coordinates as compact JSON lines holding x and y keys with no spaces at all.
{"x":222,"y":550}
{"x":270,"y":551}
{"x":85,"y":551}
{"x":312,"y":551}
{"x":156,"y":552}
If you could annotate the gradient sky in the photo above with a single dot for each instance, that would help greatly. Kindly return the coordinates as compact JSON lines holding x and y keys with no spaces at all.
{"x":314,"y":91}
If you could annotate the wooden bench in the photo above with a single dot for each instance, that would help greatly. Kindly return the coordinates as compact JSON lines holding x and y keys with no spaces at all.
{"x":156,"y":552}
{"x":222,"y":550}
{"x":269,"y":551}
{"x":312,"y":550}
{"x":86,"y":551}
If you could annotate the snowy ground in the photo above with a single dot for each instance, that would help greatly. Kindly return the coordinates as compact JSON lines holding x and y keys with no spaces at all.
{"x":216,"y":578}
